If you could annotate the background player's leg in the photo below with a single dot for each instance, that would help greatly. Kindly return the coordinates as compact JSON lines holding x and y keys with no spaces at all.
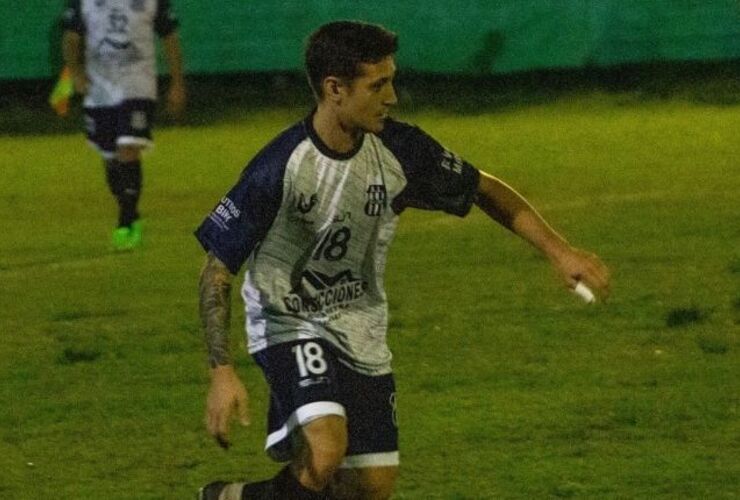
{"x":129,"y":162}
{"x":124,"y":177}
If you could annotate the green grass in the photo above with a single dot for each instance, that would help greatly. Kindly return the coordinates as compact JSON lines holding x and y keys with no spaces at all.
{"x":509,"y":387}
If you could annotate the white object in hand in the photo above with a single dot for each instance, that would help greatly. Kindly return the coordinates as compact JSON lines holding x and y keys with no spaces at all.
{"x":584,"y":293}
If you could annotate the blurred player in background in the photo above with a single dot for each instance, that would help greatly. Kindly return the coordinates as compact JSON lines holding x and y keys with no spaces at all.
{"x":109,"y":47}
{"x":313,"y":215}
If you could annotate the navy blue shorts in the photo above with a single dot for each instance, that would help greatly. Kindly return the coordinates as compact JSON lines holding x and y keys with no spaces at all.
{"x":128,"y":124}
{"x":308,"y":380}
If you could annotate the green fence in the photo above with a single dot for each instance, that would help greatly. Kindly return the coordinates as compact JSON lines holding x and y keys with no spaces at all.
{"x":472,"y":36}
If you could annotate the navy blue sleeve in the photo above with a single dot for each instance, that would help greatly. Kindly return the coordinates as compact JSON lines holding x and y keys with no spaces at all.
{"x":242,"y":218}
{"x":165,"y":20}
{"x":437,"y":179}
{"x":72,"y":17}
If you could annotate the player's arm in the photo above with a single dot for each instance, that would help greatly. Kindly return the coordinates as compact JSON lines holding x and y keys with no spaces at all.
{"x":177,"y":95}
{"x":227,"y":393}
{"x":73,"y":58}
{"x":215,"y":310}
{"x":507,"y":207}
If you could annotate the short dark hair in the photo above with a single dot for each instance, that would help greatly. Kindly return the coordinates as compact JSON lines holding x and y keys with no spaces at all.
{"x":338,"y":48}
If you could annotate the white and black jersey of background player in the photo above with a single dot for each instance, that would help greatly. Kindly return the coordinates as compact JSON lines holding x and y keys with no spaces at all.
{"x":118,"y":64}
{"x":314,"y":228}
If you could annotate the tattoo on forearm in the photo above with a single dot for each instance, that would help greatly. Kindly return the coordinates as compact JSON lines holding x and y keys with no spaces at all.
{"x":215,"y":310}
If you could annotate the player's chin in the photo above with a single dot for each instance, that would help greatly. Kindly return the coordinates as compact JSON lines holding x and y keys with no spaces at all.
{"x":377,"y":125}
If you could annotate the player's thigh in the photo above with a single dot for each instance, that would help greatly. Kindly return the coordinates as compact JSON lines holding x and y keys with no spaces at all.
{"x":370,"y":405}
{"x":302,"y":376}
{"x":101,"y":125}
{"x":134,"y":121}
{"x":366,"y":483}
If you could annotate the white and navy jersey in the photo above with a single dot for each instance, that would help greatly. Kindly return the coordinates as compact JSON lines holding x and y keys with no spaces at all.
{"x":120,"y":57}
{"x":314,"y":228}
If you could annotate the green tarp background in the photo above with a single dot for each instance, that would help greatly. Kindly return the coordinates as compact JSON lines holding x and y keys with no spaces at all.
{"x":473,"y":36}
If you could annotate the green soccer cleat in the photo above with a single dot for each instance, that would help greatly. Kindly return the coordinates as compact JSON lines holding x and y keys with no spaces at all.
{"x":121,"y":239}
{"x":135,"y":237}
{"x":126,"y":238}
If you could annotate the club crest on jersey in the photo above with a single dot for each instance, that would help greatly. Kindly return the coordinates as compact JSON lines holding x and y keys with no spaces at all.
{"x":376,"y":200}
{"x":306,"y":205}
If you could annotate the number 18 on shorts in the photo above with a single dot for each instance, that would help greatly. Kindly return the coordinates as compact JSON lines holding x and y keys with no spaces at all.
{"x":309,"y":380}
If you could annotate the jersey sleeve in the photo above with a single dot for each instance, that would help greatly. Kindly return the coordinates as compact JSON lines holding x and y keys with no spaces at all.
{"x":72,"y":17}
{"x":437,"y":179}
{"x":241,"y":219}
{"x":165,"y":20}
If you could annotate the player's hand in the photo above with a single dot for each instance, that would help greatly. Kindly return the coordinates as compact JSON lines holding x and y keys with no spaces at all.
{"x":575,"y":265}
{"x":227,"y":398}
{"x":176,"y":99}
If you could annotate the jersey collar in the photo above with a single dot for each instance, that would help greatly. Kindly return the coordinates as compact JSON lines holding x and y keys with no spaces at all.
{"x":321,"y":146}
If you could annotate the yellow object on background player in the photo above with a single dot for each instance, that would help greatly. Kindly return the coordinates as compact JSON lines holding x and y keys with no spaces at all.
{"x":62,"y":92}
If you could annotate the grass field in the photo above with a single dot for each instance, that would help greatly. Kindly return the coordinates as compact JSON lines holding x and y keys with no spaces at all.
{"x":509,"y":387}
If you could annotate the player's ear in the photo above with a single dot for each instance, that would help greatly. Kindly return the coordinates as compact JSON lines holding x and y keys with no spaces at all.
{"x":332,"y":88}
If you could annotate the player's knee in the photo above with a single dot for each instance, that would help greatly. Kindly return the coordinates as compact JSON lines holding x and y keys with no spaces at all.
{"x":325,"y":445}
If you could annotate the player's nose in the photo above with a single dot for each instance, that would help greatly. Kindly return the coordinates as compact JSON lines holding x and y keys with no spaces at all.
{"x":391,"y":99}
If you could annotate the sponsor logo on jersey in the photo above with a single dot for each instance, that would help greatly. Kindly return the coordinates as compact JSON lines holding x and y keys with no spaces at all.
{"x":452,"y":162}
{"x":112,"y":51}
{"x":307,"y":382}
{"x":304,"y":205}
{"x":116,"y":47}
{"x":320,"y":293}
{"x":117,"y":22}
{"x":344,"y":216}
{"x":376,"y":200}
{"x":224,"y":212}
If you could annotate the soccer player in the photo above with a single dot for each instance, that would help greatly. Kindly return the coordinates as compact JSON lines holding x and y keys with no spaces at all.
{"x":313,"y":215}
{"x":109,"y":47}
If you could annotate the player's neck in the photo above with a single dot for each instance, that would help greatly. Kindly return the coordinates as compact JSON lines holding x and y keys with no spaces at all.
{"x":335,"y":134}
